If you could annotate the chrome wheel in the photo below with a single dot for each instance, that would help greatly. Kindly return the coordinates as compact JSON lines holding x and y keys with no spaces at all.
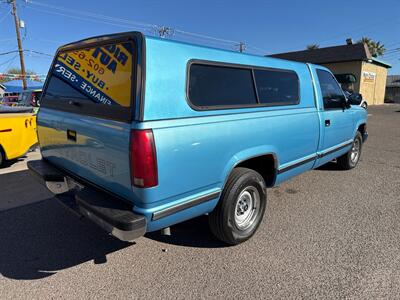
{"x":355,"y":151}
{"x":246,"y":207}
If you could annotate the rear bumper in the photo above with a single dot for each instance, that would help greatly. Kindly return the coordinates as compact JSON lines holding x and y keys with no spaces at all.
{"x":109,"y":212}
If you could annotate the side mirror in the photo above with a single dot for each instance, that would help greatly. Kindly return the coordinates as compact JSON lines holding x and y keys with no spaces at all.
{"x":345,"y":103}
{"x":338,"y":102}
{"x":355,"y":99}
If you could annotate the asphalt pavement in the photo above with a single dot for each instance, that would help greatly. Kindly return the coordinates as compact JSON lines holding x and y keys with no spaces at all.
{"x":326,"y":234}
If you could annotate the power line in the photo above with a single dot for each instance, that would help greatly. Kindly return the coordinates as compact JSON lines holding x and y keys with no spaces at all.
{"x":162,"y":31}
{"x":76,"y":17}
{"x":7,"y":39}
{"x":149,"y":27}
{"x":9,"y":52}
{"x":17,"y":74}
{"x":26,"y":50}
{"x":95,"y":15}
{"x":40,"y":53}
{"x":7,"y":61}
{"x":392,"y":44}
{"x":392,"y":50}
{"x":198,"y":35}
{"x":391,"y":56}
{"x":262,"y":51}
{"x":5,"y":16}
{"x":391,"y":53}
{"x":11,"y":61}
{"x":46,"y":40}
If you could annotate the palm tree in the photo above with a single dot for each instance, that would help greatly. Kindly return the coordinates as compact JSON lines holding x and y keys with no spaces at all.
{"x":375,"y":48}
{"x":312,"y":46}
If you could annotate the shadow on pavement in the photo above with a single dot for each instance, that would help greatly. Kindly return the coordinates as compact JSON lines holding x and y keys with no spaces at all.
{"x":9,"y":163}
{"x":40,"y":237}
{"x":330,"y":166}
{"x":192,"y":233}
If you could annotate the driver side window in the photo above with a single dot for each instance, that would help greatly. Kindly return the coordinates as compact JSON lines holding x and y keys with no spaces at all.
{"x":332,"y":93}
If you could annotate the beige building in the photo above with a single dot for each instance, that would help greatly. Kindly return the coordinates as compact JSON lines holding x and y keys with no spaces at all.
{"x":352,"y":64}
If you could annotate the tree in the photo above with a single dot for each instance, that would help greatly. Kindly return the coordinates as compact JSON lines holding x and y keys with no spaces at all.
{"x":312,"y":47}
{"x":15,"y":74}
{"x":375,"y":48}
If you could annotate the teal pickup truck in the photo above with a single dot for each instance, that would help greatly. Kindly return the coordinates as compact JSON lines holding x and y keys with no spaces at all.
{"x":139,"y":133}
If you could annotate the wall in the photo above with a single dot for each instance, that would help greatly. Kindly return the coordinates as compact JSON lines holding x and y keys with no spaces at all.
{"x":374,"y":92}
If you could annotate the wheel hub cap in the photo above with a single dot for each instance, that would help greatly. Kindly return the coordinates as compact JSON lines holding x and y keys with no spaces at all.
{"x":355,"y":151}
{"x":246,"y":205}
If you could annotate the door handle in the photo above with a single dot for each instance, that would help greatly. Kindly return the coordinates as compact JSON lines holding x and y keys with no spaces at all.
{"x":327,"y":123}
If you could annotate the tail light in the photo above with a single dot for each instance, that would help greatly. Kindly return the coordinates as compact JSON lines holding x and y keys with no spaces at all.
{"x":143,"y":159}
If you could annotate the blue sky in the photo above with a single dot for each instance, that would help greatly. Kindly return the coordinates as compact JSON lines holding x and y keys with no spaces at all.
{"x":265,"y":26}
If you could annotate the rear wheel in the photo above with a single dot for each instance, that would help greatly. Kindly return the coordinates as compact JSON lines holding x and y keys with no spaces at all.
{"x":350,"y":159}
{"x":241,"y":207}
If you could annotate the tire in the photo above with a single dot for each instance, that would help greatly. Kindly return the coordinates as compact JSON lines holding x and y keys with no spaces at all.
{"x":350,"y":159}
{"x":241,"y":207}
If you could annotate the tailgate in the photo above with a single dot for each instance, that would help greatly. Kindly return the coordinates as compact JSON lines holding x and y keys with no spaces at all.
{"x":87,"y":107}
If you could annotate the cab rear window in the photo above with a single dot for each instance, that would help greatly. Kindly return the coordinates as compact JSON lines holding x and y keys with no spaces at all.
{"x":94,"y":81}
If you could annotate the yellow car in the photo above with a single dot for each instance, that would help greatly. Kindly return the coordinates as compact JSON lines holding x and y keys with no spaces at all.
{"x":17,"y":134}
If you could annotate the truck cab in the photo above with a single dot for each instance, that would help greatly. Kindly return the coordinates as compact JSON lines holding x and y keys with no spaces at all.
{"x":139,"y":133}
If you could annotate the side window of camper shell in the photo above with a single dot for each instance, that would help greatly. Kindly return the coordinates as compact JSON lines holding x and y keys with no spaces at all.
{"x":214,"y":86}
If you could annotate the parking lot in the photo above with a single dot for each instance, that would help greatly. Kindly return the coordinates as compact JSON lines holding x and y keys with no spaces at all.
{"x":326,"y":234}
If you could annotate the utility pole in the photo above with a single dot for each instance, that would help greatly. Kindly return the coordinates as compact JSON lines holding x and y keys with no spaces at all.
{"x":20,"y":50}
{"x":242,"y":47}
{"x":164,"y":31}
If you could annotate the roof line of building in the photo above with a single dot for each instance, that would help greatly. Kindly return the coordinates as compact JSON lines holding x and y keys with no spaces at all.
{"x":381,"y":62}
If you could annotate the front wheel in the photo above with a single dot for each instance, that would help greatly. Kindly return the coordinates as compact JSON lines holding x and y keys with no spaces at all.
{"x":241,"y":207}
{"x":350,"y":159}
